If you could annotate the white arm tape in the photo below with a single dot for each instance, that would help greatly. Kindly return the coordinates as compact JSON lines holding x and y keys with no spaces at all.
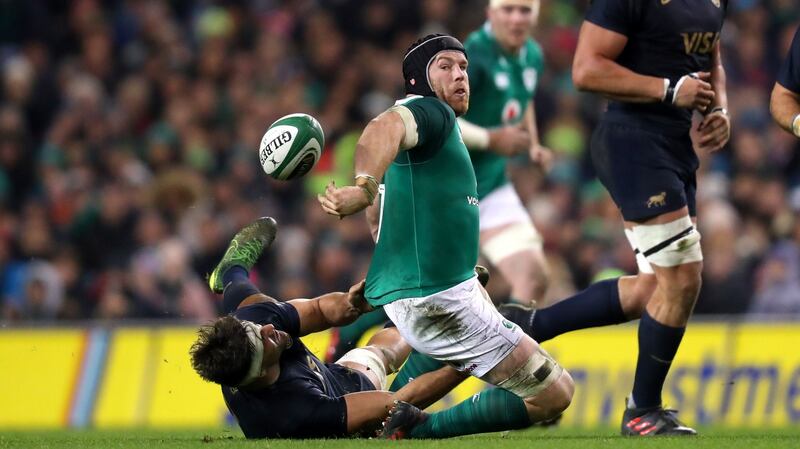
{"x":474,"y":136}
{"x":411,"y":137}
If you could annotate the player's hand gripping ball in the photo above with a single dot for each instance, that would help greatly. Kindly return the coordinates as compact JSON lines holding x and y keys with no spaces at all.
{"x":291,"y":146}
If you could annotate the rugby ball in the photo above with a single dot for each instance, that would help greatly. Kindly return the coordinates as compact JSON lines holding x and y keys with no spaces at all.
{"x":291,"y":146}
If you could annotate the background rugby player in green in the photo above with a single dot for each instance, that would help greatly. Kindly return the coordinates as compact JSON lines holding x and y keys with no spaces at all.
{"x":505,"y":65}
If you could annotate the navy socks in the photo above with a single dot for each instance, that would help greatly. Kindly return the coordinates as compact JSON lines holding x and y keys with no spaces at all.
{"x":598,"y":305}
{"x":237,"y":287}
{"x":658,"y":345}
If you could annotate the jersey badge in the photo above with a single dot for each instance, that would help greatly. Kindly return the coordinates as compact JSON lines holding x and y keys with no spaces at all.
{"x":511,"y":111}
{"x":501,"y":80}
{"x":657,"y":200}
{"x":529,"y":77}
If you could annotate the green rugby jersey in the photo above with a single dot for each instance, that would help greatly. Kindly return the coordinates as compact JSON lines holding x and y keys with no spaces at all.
{"x":501,"y":84}
{"x":428,"y":229}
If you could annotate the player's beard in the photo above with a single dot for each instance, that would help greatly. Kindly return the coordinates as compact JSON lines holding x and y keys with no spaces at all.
{"x":459,"y":105}
{"x":459,"y":102}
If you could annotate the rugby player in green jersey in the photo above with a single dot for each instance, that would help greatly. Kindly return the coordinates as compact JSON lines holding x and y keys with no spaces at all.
{"x":505,"y":66}
{"x":422,"y":271}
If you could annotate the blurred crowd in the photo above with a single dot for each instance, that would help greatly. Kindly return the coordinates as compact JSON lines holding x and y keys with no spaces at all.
{"x":129,"y":133}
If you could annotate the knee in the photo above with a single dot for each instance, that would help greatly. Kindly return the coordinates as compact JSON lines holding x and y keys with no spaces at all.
{"x":692,"y":284}
{"x":685,"y":283}
{"x":562,"y":396}
{"x":553,"y":401}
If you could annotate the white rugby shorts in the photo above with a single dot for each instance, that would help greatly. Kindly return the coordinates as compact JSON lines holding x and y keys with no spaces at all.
{"x":459,"y":326}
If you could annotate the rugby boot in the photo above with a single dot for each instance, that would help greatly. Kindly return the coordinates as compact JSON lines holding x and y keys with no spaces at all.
{"x":483,"y":274}
{"x":403,"y":417}
{"x":520,"y":315}
{"x":653,"y":422}
{"x":244,"y":250}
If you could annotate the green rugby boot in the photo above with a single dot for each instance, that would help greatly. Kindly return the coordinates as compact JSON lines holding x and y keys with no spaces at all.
{"x":244,"y":250}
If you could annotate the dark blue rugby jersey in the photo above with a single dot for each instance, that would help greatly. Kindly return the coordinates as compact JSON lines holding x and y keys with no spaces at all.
{"x":307,"y":399}
{"x":667,"y":39}
{"x":789,"y":75}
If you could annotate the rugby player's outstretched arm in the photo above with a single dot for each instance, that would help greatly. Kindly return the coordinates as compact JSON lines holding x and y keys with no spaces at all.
{"x":331,"y":309}
{"x":367,"y":409}
{"x":428,"y":388}
{"x":595,"y":69}
{"x":376,"y":149}
{"x":784,"y":105}
{"x":379,"y":144}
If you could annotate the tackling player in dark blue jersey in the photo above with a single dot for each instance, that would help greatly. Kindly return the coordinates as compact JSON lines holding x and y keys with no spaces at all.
{"x":272,"y":383}
{"x":785,"y":102}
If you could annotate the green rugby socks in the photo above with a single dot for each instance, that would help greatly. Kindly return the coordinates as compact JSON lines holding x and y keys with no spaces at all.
{"x":491,"y":410}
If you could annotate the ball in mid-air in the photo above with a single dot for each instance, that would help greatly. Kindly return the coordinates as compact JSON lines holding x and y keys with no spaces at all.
{"x":291,"y":146}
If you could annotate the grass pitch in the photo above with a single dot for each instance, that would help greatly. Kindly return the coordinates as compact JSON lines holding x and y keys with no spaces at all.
{"x":531,"y":439}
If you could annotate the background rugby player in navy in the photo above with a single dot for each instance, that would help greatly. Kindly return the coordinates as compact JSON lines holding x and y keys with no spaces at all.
{"x":642,"y":54}
{"x":785,"y":101}
{"x":272,"y":383}
{"x":657,"y":61}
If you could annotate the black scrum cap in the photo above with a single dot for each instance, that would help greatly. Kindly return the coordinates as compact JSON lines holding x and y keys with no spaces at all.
{"x":418,"y":58}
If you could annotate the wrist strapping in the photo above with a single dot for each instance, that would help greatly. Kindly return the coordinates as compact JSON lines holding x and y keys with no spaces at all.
{"x":796,"y":125}
{"x":672,"y":94}
{"x":369,"y":185}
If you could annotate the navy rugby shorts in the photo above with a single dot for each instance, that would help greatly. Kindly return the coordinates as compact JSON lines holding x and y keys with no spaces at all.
{"x":647,"y":172}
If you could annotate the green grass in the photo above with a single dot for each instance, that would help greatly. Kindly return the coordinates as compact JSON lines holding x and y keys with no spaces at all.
{"x":532,"y":439}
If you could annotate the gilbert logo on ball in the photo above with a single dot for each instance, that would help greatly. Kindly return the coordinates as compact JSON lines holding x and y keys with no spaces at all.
{"x":291,"y":146}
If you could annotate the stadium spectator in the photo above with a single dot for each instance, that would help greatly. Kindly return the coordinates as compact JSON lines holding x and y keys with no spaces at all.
{"x":100,"y":96}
